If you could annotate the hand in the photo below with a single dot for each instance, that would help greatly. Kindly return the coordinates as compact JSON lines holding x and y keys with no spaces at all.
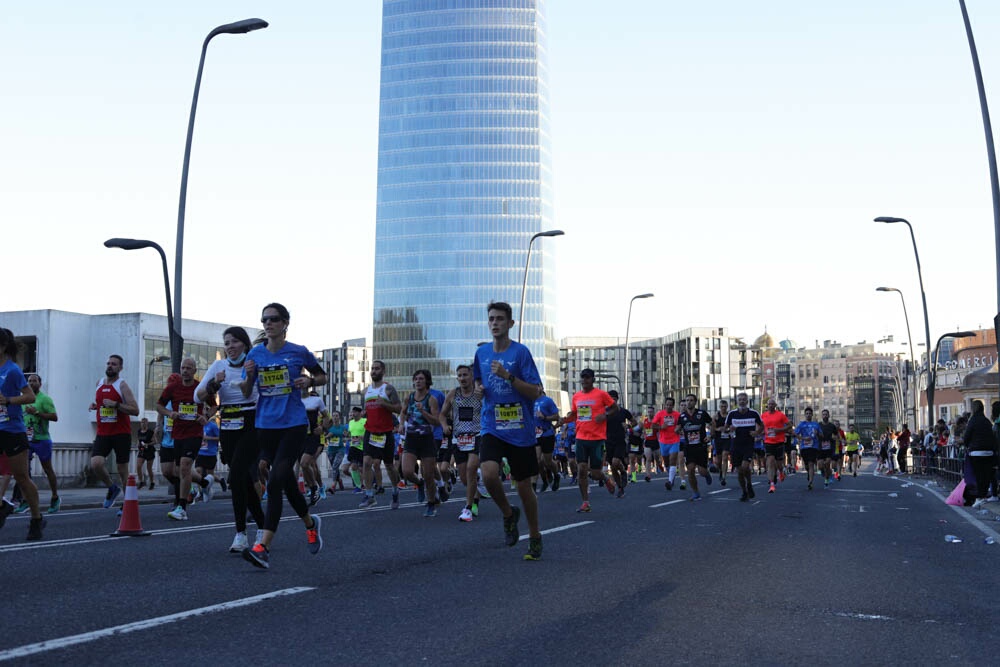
{"x":250,"y":367}
{"x":30,"y":409}
{"x":202,"y":420}
{"x":108,"y":403}
{"x":93,"y":406}
{"x":496,"y":367}
{"x":600,"y":419}
{"x":220,"y":377}
{"x":175,"y":416}
{"x":478,"y":391}
{"x":446,"y":430}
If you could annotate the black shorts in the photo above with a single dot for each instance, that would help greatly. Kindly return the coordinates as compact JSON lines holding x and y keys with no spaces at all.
{"x":522,"y":460}
{"x":355,"y":455}
{"x":120,"y":443}
{"x":809,"y":454}
{"x":634,"y":450}
{"x":147,"y":452}
{"x":383,"y":453}
{"x":825,"y":454}
{"x":463,"y":457}
{"x":741,"y":454}
{"x":167,"y":455}
{"x":205,"y":462}
{"x":311,"y":445}
{"x":723,"y":445}
{"x":187,"y":448}
{"x":759,"y":453}
{"x":13,"y":444}
{"x":652,"y":448}
{"x":445,"y":452}
{"x":696,"y":454}
{"x":777,"y":451}
{"x":615,"y":450}
{"x":421,"y":446}
{"x":547,"y":443}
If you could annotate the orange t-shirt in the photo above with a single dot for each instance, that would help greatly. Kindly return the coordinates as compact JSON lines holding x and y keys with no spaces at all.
{"x":588,"y":405}
{"x":667,"y":421}
{"x":774,"y":427}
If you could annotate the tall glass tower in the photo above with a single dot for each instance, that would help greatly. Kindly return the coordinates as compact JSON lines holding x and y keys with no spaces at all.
{"x":464,"y":181}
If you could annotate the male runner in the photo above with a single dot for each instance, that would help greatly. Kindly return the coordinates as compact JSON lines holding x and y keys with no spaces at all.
{"x":722,"y":441}
{"x":546,"y":414}
{"x":809,"y":434}
{"x":853,"y":440}
{"x":114,"y":403}
{"x":744,"y":425}
{"x":827,"y":446}
{"x":381,"y":403}
{"x":665,"y":425}
{"x":618,"y":424}
{"x":356,"y":449}
{"x":464,"y":405}
{"x":590,"y":409}
{"x":319,"y":421}
{"x":37,"y":416}
{"x":651,"y":445}
{"x":776,"y":425}
{"x":692,"y":424}
{"x":188,"y":430}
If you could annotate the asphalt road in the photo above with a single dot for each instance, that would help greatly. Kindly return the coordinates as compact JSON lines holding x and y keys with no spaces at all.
{"x":850,"y":574}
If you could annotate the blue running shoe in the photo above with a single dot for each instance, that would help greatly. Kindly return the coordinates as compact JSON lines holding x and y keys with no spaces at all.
{"x":113,"y":491}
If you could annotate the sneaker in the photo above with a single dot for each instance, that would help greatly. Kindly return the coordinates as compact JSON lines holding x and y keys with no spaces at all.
{"x":313,"y":538}
{"x":555,"y":481}
{"x":208,"y":492}
{"x":545,"y":486}
{"x":744,"y":498}
{"x":510,"y":534}
{"x":152,"y":484}
{"x":855,"y":473}
{"x":583,"y":508}
{"x":668,"y":485}
{"x":609,"y":485}
{"x":836,"y":476}
{"x":483,"y":493}
{"x":683,"y":485}
{"x":809,"y":486}
{"x":621,"y":493}
{"x":259,"y":537}
{"x":55,"y":505}
{"x":369,"y":501}
{"x":771,"y":489}
{"x":358,"y":489}
{"x":466,"y":514}
{"x":394,"y":505}
{"x":475,"y":509}
{"x":634,"y":478}
{"x":976,"y":505}
{"x":313,"y":496}
{"x":431,"y":510}
{"x":722,"y":481}
{"x":695,"y":496}
{"x":992,"y":499}
{"x":648,"y":478}
{"x":178,"y":514}
{"x":750,"y":492}
{"x":826,"y":483}
{"x":534,"y":549}
{"x":380,"y":490}
{"x":35,"y":529}
{"x":22,"y":508}
{"x":781,"y":476}
{"x":322,"y":492}
{"x":401,"y":486}
{"x":224,"y":484}
{"x":239,"y":543}
{"x":113,"y":492}
{"x":708,"y":478}
{"x":443,"y":494}
{"x":257,"y":556}
{"x":421,"y":494}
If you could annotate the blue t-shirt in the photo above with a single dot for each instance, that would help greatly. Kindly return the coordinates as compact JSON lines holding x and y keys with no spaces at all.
{"x":210,"y":447}
{"x":280,"y":404}
{"x":809,"y":434}
{"x":11,"y":383}
{"x":336,"y":437}
{"x":439,"y":397}
{"x":507,"y":414}
{"x":545,"y":406}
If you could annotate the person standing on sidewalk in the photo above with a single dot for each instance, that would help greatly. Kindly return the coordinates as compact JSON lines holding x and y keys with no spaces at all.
{"x":114,"y":403}
{"x":980,"y":451}
{"x":903,"y":442}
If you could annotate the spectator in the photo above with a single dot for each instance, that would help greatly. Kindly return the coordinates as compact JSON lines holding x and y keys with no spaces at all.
{"x":979,"y":442}
{"x":903,"y":440}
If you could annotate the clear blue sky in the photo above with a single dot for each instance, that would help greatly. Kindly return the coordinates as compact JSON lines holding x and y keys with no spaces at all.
{"x":727,"y":156}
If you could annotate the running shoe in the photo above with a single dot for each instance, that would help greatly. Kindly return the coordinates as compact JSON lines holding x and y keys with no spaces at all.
{"x":510,"y":534}
{"x":322,"y":492}
{"x":683,"y":484}
{"x":609,"y":485}
{"x":380,"y":490}
{"x":178,"y":514}
{"x":22,"y":508}
{"x":826,"y":483}
{"x":369,"y":501}
{"x":35,"y":529}
{"x":483,"y":493}
{"x":257,"y":556}
{"x":744,"y":498}
{"x":358,"y":489}
{"x":259,"y":537}
{"x":113,"y":492}
{"x":313,"y":538}
{"x":208,"y":491}
{"x":695,"y":496}
{"x":443,"y":494}
{"x":421,"y":494}
{"x":855,"y":473}
{"x":224,"y":484}
{"x":313,"y":496}
{"x":722,"y":481}
{"x":836,"y":476}
{"x":648,"y":478}
{"x":475,"y":509}
{"x":431,"y":510}
{"x":781,"y":476}
{"x":668,"y":485}
{"x":466,"y":514}
{"x":545,"y":486}
{"x":750,"y":492}
{"x":771,"y":489}
{"x":583,"y":508}
{"x":555,"y":482}
{"x":401,"y":485}
{"x":708,"y":478}
{"x":394,"y":505}
{"x":534,"y":549}
{"x":634,"y":477}
{"x":239,"y":543}
{"x":55,"y":505}
{"x":151,"y":484}
{"x":809,"y":486}
{"x":621,"y":493}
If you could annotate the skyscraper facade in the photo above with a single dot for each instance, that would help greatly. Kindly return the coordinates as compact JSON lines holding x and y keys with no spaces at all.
{"x":464,"y":181}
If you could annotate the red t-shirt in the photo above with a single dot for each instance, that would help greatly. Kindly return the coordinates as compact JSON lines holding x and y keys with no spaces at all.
{"x":181,"y":399}
{"x":588,"y":406}
{"x":648,"y":434}
{"x":667,"y":421}
{"x":111,"y":421}
{"x":774,"y":427}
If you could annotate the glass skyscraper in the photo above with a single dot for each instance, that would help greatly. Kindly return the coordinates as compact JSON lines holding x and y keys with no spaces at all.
{"x":464,"y":181}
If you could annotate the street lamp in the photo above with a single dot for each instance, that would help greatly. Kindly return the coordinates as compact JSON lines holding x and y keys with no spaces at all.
{"x":628,"y":324}
{"x":237,"y":28}
{"x":176,"y":340}
{"x":909,"y":338}
{"x":524,"y":285}
{"x":923,"y":298}
{"x":932,"y":376}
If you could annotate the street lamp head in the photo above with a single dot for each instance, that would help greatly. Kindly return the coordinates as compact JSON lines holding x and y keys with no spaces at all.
{"x":128,"y":244}
{"x":643,"y":296}
{"x":889,"y":219}
{"x":886,"y":289}
{"x":551,"y":232}
{"x":240,"y":27}
{"x":962,"y":334}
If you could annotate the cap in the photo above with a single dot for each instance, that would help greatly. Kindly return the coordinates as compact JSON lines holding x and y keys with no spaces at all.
{"x":613,"y":393}
{"x":587,"y":372}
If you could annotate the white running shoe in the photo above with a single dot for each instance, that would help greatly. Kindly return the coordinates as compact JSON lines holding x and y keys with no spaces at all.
{"x":208,"y":491}
{"x":466,"y":515}
{"x":259,"y":537}
{"x":178,"y":514}
{"x":239,"y":543}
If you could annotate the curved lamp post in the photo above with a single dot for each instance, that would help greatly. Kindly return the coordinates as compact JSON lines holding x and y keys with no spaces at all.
{"x":628,"y":325}
{"x":909,"y":339}
{"x":237,"y":28}
{"x":524,"y":284}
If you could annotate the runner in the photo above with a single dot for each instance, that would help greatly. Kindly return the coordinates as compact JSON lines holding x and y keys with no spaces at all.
{"x":275,"y":369}
{"x":464,"y":404}
{"x":744,"y":425}
{"x":776,"y":425}
{"x":696,"y":426}
{"x":591,"y":408}
{"x":809,"y":434}
{"x":827,"y":446}
{"x":650,"y":443}
{"x":168,"y":462}
{"x":36,"y":419}
{"x":546,"y":415}
{"x":114,"y":403}
{"x":381,"y":404}
{"x":853,"y":440}
{"x":336,"y":440}
{"x":511,"y":385}
{"x":722,"y":441}
{"x":189,"y":421}
{"x":417,"y":420}
{"x":618,"y":424}
{"x":208,"y":455}
{"x":665,"y":425}
{"x":444,"y":476}
{"x":838,"y":451}
{"x":15,"y":392}
{"x":145,"y":455}
{"x":319,"y":419}
{"x":356,"y":450}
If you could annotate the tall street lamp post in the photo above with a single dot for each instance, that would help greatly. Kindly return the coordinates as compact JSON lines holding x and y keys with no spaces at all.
{"x":237,"y":28}
{"x":909,"y":339}
{"x":932,"y":376}
{"x":923,"y":299}
{"x":524,"y":284}
{"x":628,"y":324}
{"x":176,"y":341}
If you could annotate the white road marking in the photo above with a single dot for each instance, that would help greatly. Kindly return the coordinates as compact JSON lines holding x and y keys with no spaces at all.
{"x":865,"y":617}
{"x":73,"y":640}
{"x":712,"y":493}
{"x":670,"y":502}
{"x":558,"y":529}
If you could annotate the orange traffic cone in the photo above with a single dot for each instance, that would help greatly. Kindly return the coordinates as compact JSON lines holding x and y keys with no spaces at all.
{"x":130,"y":525}
{"x":302,"y":484}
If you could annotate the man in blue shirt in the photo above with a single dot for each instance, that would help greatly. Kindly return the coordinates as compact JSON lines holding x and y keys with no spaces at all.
{"x":546,"y":413}
{"x":809,"y":433}
{"x":510,"y":384}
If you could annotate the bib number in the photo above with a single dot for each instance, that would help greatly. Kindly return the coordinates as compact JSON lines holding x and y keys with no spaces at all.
{"x":377,"y":440}
{"x":188,"y":411}
{"x":108,"y":415}
{"x":275,"y":381}
{"x":508,"y":416}
{"x":584,"y":413}
{"x":466,"y":442}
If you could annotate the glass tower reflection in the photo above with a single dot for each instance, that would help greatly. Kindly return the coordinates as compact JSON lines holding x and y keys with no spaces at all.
{"x":464,"y":180}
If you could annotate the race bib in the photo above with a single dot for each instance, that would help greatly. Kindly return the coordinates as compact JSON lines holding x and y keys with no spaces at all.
{"x":693,"y":437}
{"x":668,"y":421}
{"x":3,"y":414}
{"x":772,"y":432}
{"x":234,"y":423}
{"x":377,"y":440}
{"x":825,"y":444}
{"x":356,"y":442}
{"x":168,"y":425}
{"x":188,"y":411}
{"x":807,"y":442}
{"x":648,"y":433}
{"x":508,"y":416}
{"x":465,"y":442}
{"x":584,"y":413}
{"x":538,"y":431}
{"x":274,"y":381}
{"x":31,"y":433}
{"x":108,"y":415}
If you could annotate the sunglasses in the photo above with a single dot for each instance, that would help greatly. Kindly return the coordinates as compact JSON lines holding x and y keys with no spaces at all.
{"x":270,"y":318}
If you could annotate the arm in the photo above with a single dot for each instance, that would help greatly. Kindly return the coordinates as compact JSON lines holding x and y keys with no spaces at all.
{"x":432,"y":415}
{"x":27,"y":396}
{"x":392,"y":399}
{"x":128,"y":405}
{"x":246,"y":386}
{"x":608,"y":411}
{"x":445,"y":411}
{"x":50,"y":416}
{"x":209,"y":385}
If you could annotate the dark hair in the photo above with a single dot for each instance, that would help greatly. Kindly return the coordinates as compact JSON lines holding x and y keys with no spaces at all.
{"x":240,"y":334}
{"x":427,"y":376}
{"x":119,"y":358}
{"x":356,"y":409}
{"x":8,"y":344}
{"x":379,"y":362}
{"x":691,"y":396}
{"x":465,"y":366}
{"x":282,"y":311}
{"x":36,"y":375}
{"x":977,"y":406}
{"x":503,"y":306}
{"x":669,"y":398}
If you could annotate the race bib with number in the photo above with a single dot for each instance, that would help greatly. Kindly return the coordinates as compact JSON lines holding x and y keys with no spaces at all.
{"x":377,"y":440}
{"x":668,"y":421}
{"x":3,"y":414}
{"x":772,"y":432}
{"x":274,"y":381}
{"x":585,"y":413}
{"x":508,"y":416}
{"x":693,"y":437}
{"x":188,"y":411}
{"x":465,"y":442}
{"x":807,"y":442}
{"x":824,"y":444}
{"x":108,"y":415}
{"x":232,"y":420}
{"x":648,"y":433}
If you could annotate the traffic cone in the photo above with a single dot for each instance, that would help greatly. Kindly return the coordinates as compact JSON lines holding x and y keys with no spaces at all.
{"x":302,"y":484}
{"x":130,"y":525}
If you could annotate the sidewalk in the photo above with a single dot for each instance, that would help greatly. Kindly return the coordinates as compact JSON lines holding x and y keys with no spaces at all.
{"x":944,"y":488}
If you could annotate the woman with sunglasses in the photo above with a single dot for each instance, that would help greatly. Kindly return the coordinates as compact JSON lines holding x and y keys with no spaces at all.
{"x":275,"y":369}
